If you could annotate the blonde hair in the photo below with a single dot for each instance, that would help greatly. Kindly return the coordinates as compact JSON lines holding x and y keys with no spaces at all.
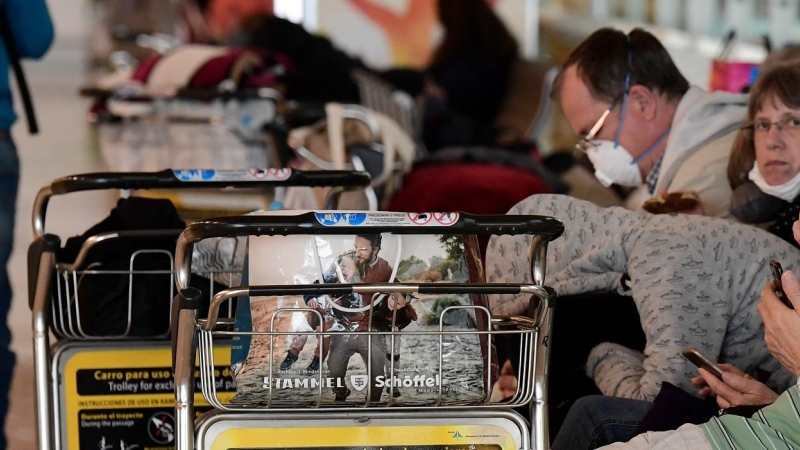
{"x":350,"y":256}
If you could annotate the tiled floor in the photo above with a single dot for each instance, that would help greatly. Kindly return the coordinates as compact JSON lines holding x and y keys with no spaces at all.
{"x":63,"y":147}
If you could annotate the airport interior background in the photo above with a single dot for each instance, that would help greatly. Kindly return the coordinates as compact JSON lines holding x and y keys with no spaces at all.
{"x":91,"y":34}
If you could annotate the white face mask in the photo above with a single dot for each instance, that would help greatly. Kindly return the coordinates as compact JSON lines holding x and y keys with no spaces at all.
{"x":613,"y":164}
{"x":787,"y":191}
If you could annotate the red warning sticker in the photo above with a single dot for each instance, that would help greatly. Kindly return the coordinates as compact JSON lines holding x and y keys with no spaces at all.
{"x":420,"y":218}
{"x":446,"y":218}
{"x":270,"y":174}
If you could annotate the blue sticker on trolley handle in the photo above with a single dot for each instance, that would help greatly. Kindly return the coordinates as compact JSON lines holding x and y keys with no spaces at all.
{"x":346,"y":219}
{"x":328,"y":219}
{"x":354,"y":218}
{"x":195,"y":175}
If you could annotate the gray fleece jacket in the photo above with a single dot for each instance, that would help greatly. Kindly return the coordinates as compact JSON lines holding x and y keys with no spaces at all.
{"x":699,"y":146}
{"x":696,"y":282}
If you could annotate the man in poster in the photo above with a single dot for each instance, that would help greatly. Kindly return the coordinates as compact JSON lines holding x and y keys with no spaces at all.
{"x":373,"y":269}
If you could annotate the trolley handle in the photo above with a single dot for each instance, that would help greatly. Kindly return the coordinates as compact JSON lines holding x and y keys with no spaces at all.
{"x":543,"y":228}
{"x":190,"y":178}
{"x":186,"y":94}
{"x":546,"y":295}
{"x":238,"y":94}
{"x":334,"y":223}
{"x":193,"y":179}
{"x":337,"y":290}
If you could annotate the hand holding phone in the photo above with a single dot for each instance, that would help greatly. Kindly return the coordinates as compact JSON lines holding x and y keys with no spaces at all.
{"x":699,"y":360}
{"x":777,"y":271}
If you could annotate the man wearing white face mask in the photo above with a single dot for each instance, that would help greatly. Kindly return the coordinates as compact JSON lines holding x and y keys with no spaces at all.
{"x":641,"y":123}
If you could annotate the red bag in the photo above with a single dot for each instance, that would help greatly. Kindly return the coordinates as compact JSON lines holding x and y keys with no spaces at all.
{"x":203,"y":66}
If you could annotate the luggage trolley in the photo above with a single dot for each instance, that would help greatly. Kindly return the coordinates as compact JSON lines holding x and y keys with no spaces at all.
{"x":86,"y":383}
{"x":210,"y":128}
{"x":141,"y":132}
{"x":270,"y":422}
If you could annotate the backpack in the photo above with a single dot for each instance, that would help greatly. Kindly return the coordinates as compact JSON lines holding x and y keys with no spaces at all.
{"x":100,"y":300}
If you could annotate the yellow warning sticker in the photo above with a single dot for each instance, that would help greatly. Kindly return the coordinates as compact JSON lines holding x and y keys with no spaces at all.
{"x":124,"y":398}
{"x":426,"y":437}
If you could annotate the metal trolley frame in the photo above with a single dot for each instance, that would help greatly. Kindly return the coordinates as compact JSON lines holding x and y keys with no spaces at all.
{"x":47,"y":293}
{"x":196,"y":335}
{"x":198,"y":122}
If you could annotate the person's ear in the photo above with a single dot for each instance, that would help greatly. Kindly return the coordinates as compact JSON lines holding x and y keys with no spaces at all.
{"x":643,"y":102}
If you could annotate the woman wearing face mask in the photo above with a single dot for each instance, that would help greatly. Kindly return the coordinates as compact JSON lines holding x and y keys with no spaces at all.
{"x":764,"y":168}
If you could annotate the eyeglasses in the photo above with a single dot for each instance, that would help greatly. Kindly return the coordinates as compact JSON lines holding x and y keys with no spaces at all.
{"x":585,"y":144}
{"x":789,"y":125}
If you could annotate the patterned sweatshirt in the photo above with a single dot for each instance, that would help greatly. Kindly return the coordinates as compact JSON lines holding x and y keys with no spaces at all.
{"x":696,"y":282}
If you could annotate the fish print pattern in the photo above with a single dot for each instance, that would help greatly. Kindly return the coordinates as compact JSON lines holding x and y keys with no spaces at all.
{"x":691,"y":277}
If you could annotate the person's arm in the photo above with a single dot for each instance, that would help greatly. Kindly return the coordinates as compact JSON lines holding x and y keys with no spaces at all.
{"x":782,"y":335}
{"x":31,"y":26}
{"x":796,"y":230}
{"x":738,"y":389}
{"x":618,"y":371}
{"x":781,"y":324}
{"x":506,"y":385}
{"x":703,"y":390}
{"x":312,"y":302}
{"x":588,"y":257}
{"x":672,"y":319}
{"x":311,"y":299}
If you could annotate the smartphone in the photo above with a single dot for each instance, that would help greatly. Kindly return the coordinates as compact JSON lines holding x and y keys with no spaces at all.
{"x":697,"y":358}
{"x":777,"y":271}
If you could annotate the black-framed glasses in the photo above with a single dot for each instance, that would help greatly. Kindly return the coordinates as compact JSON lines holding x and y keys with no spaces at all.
{"x":789,"y":125}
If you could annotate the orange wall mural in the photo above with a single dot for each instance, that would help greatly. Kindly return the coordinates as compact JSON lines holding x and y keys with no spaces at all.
{"x":409,"y":33}
{"x":386,"y":32}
